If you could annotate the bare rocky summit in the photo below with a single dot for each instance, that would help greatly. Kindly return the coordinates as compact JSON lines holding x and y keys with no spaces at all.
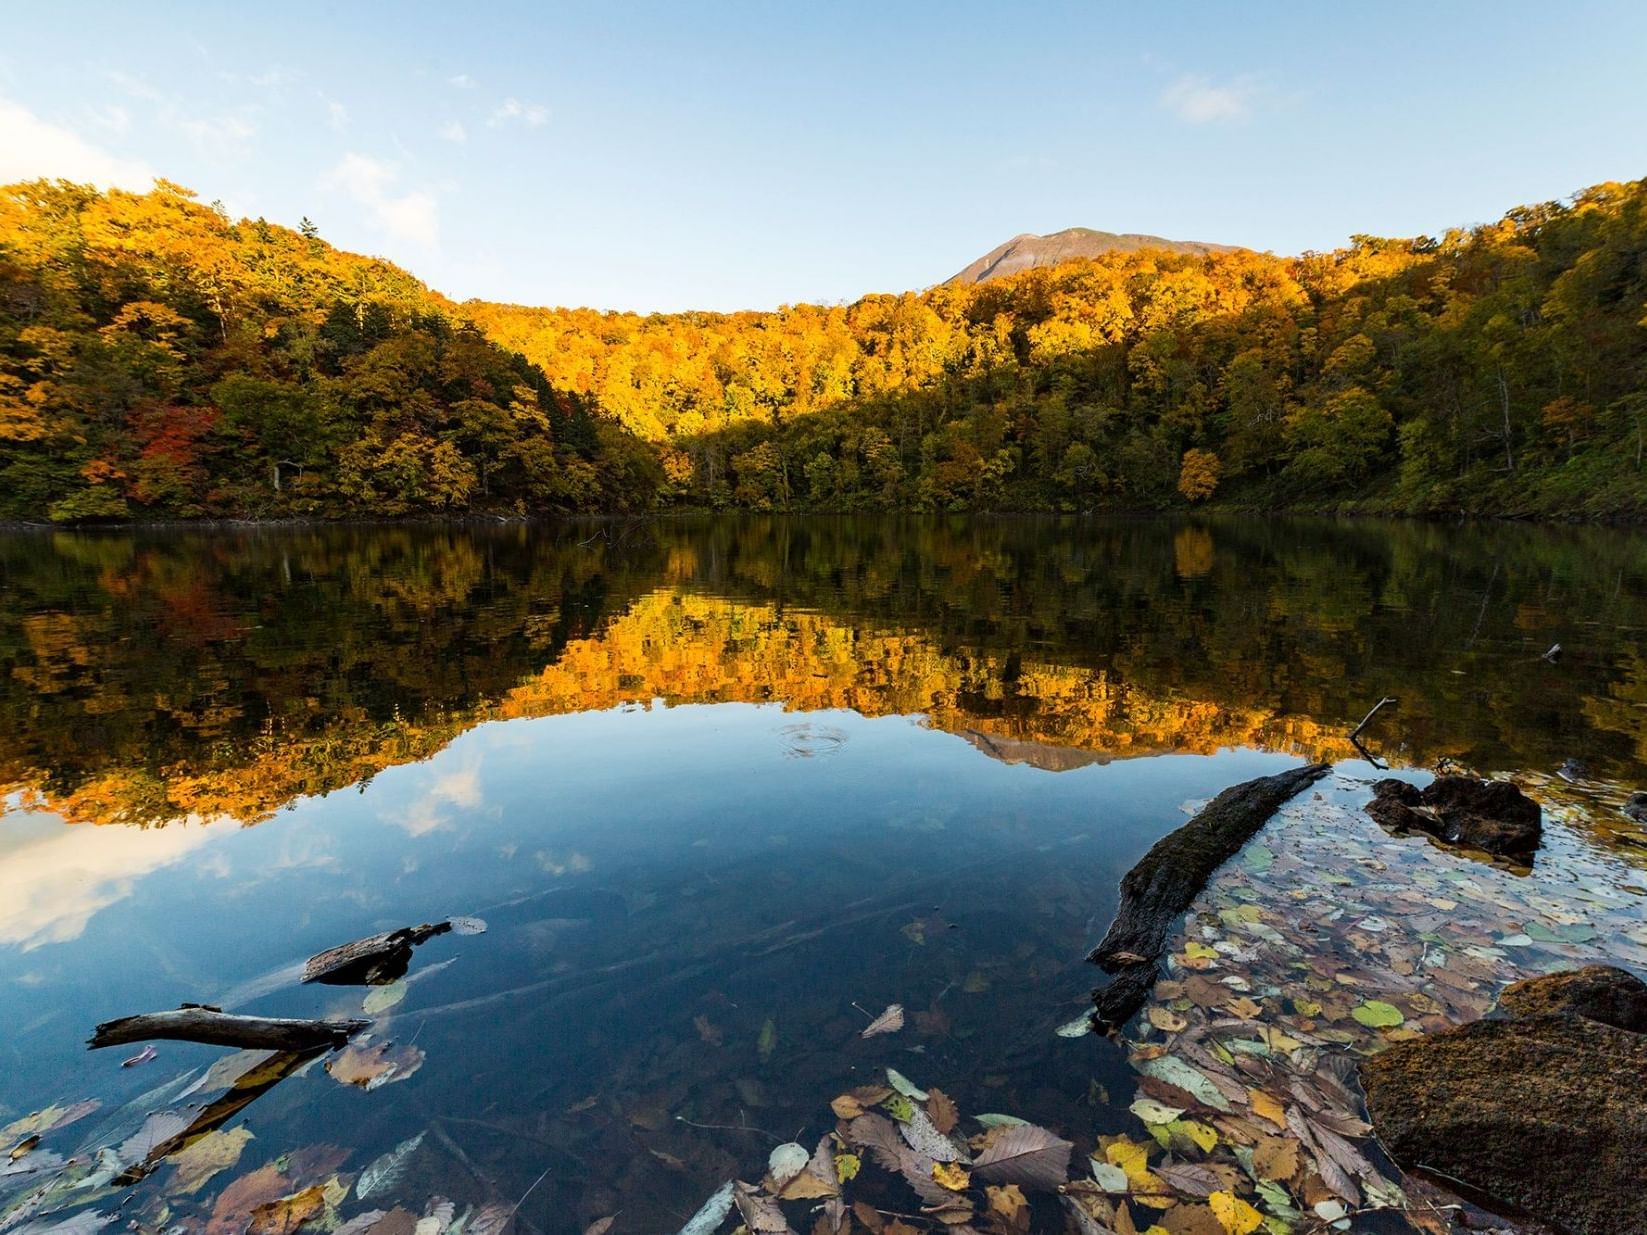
{"x":1028,"y":250}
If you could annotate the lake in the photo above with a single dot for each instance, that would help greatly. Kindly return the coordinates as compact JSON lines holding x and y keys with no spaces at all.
{"x":721,"y":790}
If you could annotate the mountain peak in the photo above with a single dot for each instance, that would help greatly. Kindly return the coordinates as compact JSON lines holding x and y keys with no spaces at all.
{"x":1027,"y":249}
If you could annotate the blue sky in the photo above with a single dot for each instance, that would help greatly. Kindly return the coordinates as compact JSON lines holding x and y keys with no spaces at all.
{"x":742,"y":155}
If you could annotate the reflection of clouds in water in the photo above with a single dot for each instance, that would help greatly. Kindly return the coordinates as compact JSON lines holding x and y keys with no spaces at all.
{"x":807,"y":741}
{"x":55,"y":877}
{"x":459,"y":787}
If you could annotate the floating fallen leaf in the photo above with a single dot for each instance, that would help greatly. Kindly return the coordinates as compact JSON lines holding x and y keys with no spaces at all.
{"x":1110,"y":1177}
{"x":925,"y":1139}
{"x":142,"y":1056}
{"x":200,"y":1160}
{"x":1029,"y":1156}
{"x":1237,"y":1217}
{"x":1276,"y":1158}
{"x":1190,"y":1178}
{"x":373,"y":1066}
{"x":940,"y":1108}
{"x":24,"y":1146}
{"x":951,"y":1175}
{"x":286,"y":1215}
{"x":382,"y":998}
{"x":600,"y":1225}
{"x":1080,"y":1027}
{"x":760,"y":1213}
{"x":386,"y":1172}
{"x":1165,"y":1019}
{"x":1153,"y":1112}
{"x":905,"y":1086}
{"x":890,"y":1021}
{"x":787,"y":1161}
{"x":1376,"y":1014}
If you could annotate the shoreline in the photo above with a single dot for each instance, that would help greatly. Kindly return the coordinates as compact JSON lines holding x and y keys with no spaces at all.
{"x":484,"y":519}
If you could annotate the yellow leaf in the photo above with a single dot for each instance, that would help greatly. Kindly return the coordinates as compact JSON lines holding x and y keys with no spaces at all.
{"x":1204,"y":1135}
{"x":951,"y":1176}
{"x":1244,"y":1007}
{"x":1199,"y":951}
{"x":1166,"y":1020}
{"x":1234,"y":1214}
{"x":846,"y":1107}
{"x":214,"y":1152}
{"x":1266,"y":1107}
{"x":846,"y":1166}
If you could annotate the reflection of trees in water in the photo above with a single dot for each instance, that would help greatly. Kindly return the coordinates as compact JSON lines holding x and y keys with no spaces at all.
{"x":151,"y":676}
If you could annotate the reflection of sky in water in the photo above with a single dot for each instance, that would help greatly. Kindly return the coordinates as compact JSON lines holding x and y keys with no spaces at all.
{"x":638,"y":867}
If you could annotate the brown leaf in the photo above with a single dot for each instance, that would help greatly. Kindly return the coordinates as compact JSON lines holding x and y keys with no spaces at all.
{"x":373,"y":1066}
{"x":867,"y":1214}
{"x":286,"y":1215}
{"x":1276,"y":1158}
{"x":846,"y":1107}
{"x":708,"y":1031}
{"x":1009,"y":1206}
{"x":940,"y":1109}
{"x":1028,"y":1155}
{"x":760,"y":1212}
{"x":879,"y":1136}
{"x":600,"y":1225}
{"x":1191,"y":1220}
{"x":236,"y":1202}
{"x":890,"y":1021}
{"x":1190,"y":1178}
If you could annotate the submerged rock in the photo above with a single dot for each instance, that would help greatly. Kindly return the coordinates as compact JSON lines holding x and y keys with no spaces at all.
{"x":1541,"y":1110}
{"x":1490,"y":815}
{"x":1636,"y":807}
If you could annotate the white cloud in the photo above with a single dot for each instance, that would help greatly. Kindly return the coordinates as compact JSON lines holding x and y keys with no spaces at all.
{"x":34,"y":147}
{"x":218,"y":137}
{"x":533,"y":115}
{"x":1198,"y":100}
{"x":462,"y":81}
{"x":411,"y":216}
{"x":337,"y":115}
{"x":453,"y":132}
{"x":56,"y":877}
{"x":136,"y":87}
{"x":113,"y":117}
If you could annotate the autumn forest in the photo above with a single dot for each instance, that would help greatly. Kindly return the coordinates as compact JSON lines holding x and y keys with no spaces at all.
{"x":159,"y":360}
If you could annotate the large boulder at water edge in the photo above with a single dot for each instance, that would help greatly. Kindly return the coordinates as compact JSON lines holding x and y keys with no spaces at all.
{"x":1490,"y":815}
{"x":1543,"y":1110}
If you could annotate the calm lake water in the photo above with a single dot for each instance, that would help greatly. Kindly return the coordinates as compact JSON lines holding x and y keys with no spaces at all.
{"x":721,"y":790}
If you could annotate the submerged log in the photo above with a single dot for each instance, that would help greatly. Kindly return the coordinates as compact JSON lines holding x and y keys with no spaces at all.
{"x":193,"y":1023}
{"x":1155,"y":892}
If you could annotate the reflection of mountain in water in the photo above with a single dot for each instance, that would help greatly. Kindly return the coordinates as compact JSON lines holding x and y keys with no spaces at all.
{"x":145,"y":679}
{"x":1035,"y":754}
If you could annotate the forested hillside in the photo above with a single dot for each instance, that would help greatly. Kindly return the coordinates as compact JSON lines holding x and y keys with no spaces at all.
{"x":1498,"y":370}
{"x":157,"y":359}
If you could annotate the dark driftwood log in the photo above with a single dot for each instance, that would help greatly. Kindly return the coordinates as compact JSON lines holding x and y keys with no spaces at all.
{"x":374,"y":961}
{"x":1155,"y":892}
{"x":208,"y":1025}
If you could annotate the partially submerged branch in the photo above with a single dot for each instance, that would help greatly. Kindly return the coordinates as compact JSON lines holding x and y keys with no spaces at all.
{"x":193,"y":1023}
{"x":1156,"y":892}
